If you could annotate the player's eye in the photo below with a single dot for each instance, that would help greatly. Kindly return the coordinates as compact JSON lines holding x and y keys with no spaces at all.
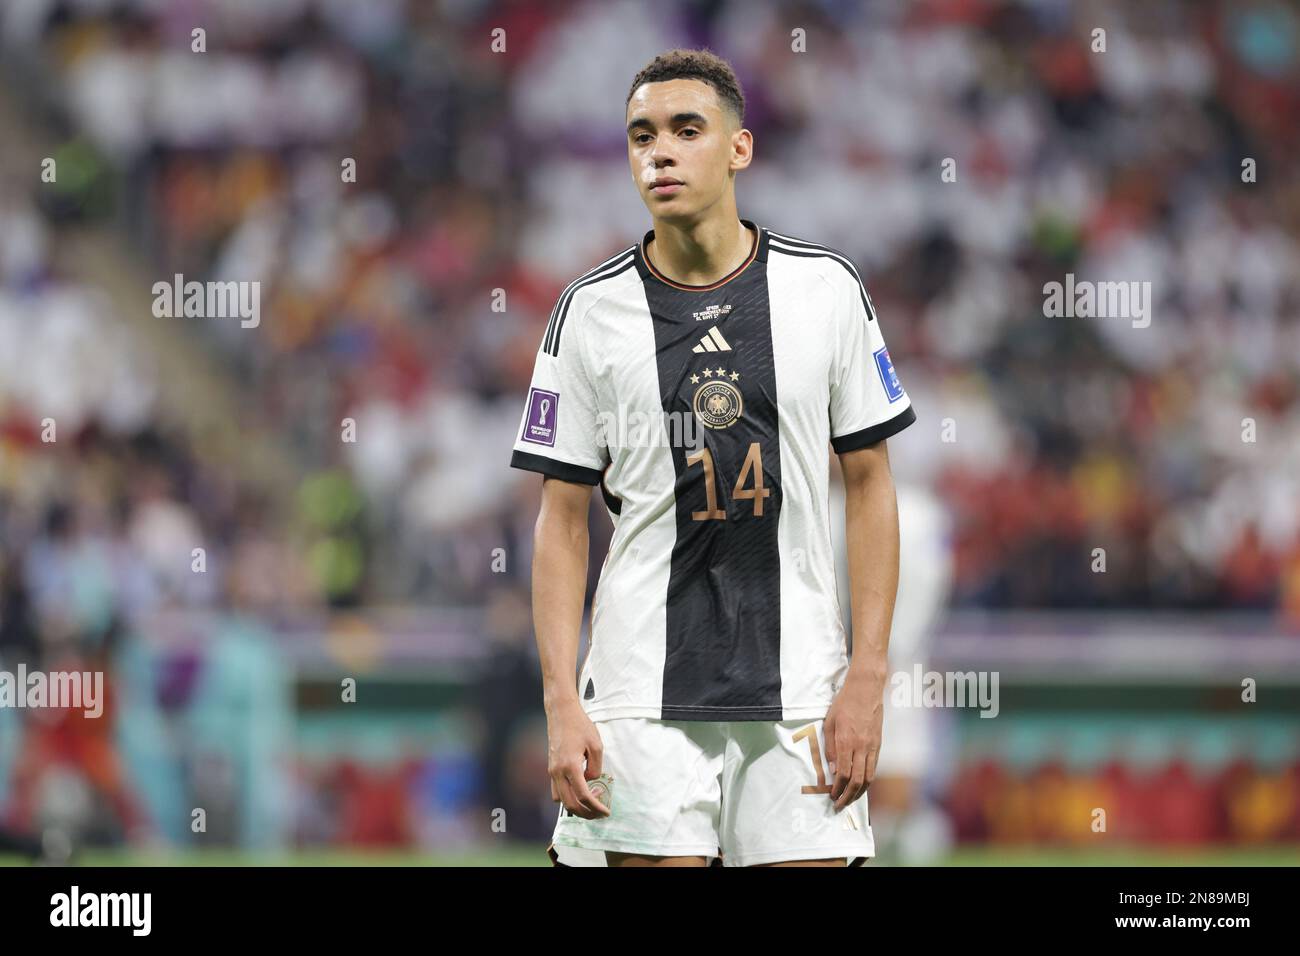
{"x":642,"y":137}
{"x":690,"y":129}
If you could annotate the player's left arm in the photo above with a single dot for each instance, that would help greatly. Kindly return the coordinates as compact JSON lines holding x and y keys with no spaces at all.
{"x":867,"y":405}
{"x":852,"y":729}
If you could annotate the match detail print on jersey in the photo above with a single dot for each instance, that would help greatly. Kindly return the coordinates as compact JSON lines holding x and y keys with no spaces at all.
{"x":707,"y":414}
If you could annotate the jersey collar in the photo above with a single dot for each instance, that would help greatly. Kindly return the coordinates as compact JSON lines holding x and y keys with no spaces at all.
{"x":648,"y":272}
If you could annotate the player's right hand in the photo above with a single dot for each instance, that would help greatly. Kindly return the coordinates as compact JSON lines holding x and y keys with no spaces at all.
{"x":574,"y":755}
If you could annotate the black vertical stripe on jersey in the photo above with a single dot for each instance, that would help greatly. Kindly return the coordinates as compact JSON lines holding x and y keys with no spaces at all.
{"x":723,"y":657}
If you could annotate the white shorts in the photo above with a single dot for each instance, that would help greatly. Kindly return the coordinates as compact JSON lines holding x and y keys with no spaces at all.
{"x":748,"y":791}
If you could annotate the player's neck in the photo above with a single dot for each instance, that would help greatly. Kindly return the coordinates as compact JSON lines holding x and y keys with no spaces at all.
{"x":700,"y":253}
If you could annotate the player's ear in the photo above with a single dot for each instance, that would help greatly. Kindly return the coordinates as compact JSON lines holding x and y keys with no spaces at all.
{"x":742,"y":149}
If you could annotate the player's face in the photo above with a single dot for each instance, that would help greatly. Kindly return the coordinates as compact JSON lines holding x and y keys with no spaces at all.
{"x":677,"y":130}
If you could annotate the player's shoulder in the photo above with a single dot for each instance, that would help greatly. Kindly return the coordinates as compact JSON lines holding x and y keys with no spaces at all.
{"x":584,"y":291}
{"x":832,"y":264}
{"x":835,"y":264}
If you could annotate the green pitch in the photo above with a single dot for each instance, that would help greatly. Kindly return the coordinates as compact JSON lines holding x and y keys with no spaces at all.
{"x":536,"y":856}
{"x":1135,"y":856}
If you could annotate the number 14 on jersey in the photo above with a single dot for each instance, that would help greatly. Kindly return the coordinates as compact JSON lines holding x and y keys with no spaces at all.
{"x":753,"y":464}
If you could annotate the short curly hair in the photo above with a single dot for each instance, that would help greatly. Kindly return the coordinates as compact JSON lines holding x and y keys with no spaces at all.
{"x":702,"y":64}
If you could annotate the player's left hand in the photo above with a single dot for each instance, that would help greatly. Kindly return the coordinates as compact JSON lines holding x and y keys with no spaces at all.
{"x":851,"y":732}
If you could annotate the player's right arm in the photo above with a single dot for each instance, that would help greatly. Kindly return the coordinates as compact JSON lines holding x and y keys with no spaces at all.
{"x":559,"y":438}
{"x":559,"y":587}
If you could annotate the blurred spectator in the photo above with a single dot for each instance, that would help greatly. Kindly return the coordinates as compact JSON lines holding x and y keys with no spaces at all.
{"x":385,"y":175}
{"x":1071,"y":433}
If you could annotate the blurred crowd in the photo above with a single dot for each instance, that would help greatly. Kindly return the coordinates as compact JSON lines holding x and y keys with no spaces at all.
{"x":386,"y":172}
{"x":1175,"y":803}
{"x":478,"y":170}
{"x":99,"y":507}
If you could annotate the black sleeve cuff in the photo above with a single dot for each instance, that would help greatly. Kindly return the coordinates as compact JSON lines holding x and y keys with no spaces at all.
{"x":555,"y":469}
{"x":876,"y":433}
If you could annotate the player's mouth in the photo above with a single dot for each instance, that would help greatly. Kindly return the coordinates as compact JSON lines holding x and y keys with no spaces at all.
{"x":665,"y":186}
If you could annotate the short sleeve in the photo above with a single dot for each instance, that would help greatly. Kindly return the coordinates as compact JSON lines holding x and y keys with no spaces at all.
{"x":868,"y":402}
{"x":558,"y":433}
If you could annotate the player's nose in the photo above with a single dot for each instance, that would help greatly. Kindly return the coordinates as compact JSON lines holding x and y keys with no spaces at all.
{"x":662,"y":152}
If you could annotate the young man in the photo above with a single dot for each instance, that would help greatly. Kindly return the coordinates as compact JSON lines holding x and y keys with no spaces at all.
{"x":698,"y":378}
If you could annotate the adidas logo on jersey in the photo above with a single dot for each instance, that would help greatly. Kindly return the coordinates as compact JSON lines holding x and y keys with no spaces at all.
{"x":713,"y":342}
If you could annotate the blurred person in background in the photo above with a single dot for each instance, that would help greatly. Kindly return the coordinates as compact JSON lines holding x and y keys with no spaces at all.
{"x":908,"y":827}
{"x":18,"y":646}
{"x":1123,"y":164}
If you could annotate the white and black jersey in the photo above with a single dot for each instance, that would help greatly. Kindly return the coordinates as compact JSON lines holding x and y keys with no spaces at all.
{"x":704,"y":413}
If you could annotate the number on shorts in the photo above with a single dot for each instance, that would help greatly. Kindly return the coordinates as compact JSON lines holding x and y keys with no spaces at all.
{"x":821,"y":786}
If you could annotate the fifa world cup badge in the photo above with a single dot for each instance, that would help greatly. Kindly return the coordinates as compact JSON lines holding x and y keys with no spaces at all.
{"x":602,"y":788}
